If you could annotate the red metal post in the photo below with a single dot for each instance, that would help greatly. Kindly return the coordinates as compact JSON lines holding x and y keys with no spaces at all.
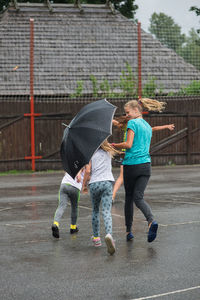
{"x":139,"y":62}
{"x":32,"y":92}
{"x":32,"y":115}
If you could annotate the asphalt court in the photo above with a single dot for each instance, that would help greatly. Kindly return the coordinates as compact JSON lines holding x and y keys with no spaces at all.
{"x":36,"y":266}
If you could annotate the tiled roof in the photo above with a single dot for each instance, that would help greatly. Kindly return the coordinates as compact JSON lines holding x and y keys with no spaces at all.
{"x":70,"y":46}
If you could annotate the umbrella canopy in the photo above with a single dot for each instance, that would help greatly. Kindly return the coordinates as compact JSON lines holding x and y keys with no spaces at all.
{"x":86,"y":132}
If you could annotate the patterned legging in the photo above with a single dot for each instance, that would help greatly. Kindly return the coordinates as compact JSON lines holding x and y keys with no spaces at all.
{"x":101,"y":192}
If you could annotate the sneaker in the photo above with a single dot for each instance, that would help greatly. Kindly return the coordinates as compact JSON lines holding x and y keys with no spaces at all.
{"x":96,"y":241}
{"x":129,"y":237}
{"x":152,"y":232}
{"x":74,"y":230}
{"x":55,"y":231}
{"x":110,"y":244}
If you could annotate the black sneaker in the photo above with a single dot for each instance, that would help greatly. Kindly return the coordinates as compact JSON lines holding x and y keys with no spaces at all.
{"x":55,"y":231}
{"x":74,"y":230}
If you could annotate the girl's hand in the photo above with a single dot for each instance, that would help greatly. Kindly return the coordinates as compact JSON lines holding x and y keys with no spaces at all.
{"x":115,"y":122}
{"x":78,"y":178}
{"x":84,"y":190}
{"x":171,"y":127}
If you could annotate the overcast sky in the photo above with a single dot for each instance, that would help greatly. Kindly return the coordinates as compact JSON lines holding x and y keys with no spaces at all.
{"x":177,"y":9}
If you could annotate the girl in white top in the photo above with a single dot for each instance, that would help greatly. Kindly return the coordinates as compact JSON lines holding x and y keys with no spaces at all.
{"x":100,"y":184}
{"x":69,"y":191}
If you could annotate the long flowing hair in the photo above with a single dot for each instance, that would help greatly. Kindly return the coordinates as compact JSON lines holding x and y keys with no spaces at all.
{"x":106,"y":146}
{"x":147,"y":103}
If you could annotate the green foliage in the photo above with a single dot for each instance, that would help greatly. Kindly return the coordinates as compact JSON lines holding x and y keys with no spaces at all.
{"x":190,"y":51}
{"x":4,"y":4}
{"x":169,"y":34}
{"x":15,"y":172}
{"x":197,"y":11}
{"x":104,"y":86}
{"x":150,"y":87}
{"x":126,"y":7}
{"x":125,"y":87}
{"x":166,"y":31}
{"x":78,"y":91}
{"x":127,"y":82}
{"x":94,"y":86}
{"x":192,"y":89}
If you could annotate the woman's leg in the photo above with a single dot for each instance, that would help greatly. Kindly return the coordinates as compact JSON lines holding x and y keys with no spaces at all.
{"x":118,"y":183}
{"x":129,"y":189}
{"x":96,"y":199}
{"x":106,"y":199}
{"x":138,"y":197}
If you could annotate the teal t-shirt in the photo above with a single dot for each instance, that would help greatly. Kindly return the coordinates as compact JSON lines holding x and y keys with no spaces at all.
{"x":139,"y":152}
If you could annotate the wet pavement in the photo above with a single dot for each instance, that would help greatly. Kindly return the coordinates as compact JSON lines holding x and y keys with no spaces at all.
{"x":34,"y":265}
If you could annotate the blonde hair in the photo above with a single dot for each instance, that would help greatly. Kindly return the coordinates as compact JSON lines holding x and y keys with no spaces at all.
{"x":149,"y":104}
{"x":108,"y":148}
{"x":122,"y":122}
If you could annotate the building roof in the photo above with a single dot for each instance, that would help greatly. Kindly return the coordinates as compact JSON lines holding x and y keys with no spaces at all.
{"x":70,"y":45}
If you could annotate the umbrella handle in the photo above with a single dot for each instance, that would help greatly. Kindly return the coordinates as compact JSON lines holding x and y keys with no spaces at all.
{"x":65,"y":125}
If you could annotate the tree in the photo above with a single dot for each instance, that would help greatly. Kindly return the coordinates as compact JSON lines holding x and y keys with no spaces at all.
{"x":3,"y":5}
{"x":190,"y":50}
{"x":126,"y":7}
{"x":197,"y":11}
{"x":166,"y":30}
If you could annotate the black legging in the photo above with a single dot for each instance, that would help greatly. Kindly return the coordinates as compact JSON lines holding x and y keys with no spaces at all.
{"x":136,"y":178}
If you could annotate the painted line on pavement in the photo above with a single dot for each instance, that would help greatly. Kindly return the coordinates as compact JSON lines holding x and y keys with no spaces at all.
{"x":169,"y":293}
{"x":176,"y":224}
{"x":175,"y":202}
{"x":6,"y":208}
{"x":162,"y":225}
{"x":15,"y":225}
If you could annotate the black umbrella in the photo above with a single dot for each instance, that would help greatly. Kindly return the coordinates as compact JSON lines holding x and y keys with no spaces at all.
{"x":86,"y":132}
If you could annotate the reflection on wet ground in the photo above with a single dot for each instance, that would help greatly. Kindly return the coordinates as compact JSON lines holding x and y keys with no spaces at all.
{"x":36,"y":266}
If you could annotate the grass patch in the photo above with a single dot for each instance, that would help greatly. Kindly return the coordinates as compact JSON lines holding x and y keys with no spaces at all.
{"x":18,"y":172}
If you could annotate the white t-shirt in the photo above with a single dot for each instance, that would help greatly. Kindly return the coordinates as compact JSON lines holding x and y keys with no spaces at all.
{"x":69,"y":180}
{"x":101,"y":169}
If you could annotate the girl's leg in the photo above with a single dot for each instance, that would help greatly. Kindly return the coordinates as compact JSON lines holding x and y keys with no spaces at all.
{"x":74,"y":196}
{"x":138,"y":197}
{"x":96,"y":199}
{"x":106,"y":198}
{"x":63,"y":198}
{"x":118,"y":183}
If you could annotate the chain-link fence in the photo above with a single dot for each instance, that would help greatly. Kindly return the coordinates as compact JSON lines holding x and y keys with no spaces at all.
{"x":75,"y":55}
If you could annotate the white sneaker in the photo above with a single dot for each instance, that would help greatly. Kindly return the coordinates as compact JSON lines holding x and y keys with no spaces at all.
{"x":110,"y":243}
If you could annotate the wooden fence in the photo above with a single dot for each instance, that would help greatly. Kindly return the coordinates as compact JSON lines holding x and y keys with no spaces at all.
{"x":182,"y":146}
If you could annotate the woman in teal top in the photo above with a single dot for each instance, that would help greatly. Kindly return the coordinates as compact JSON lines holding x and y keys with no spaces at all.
{"x":137,"y":164}
{"x":121,"y":123}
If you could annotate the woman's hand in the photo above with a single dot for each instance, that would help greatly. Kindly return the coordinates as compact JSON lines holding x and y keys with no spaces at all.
{"x":128,"y":143}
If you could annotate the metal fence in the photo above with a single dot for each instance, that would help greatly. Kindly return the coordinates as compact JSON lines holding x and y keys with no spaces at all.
{"x":53,"y":62}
